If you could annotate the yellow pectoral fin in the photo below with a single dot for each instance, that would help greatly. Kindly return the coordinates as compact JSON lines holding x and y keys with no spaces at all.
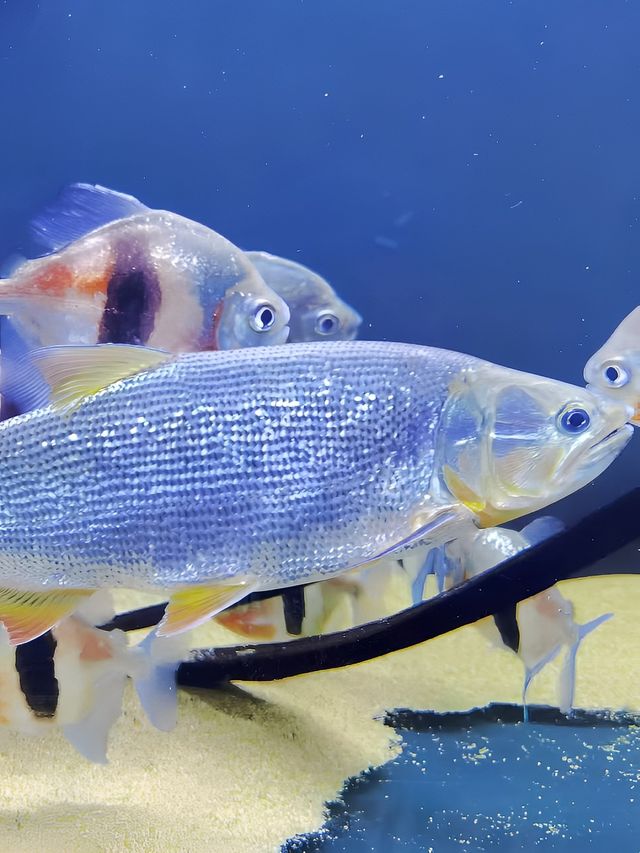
{"x":462,"y":492}
{"x":486,"y":515}
{"x":28,"y":615}
{"x":193,"y":605}
{"x":74,"y":372}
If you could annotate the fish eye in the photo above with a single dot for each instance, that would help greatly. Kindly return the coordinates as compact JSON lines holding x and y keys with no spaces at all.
{"x":615,"y":375}
{"x":263,"y":317}
{"x":574,"y":419}
{"x":327,"y":324}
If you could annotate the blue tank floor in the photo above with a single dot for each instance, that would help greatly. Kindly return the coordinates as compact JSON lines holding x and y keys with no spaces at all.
{"x":487,"y":781}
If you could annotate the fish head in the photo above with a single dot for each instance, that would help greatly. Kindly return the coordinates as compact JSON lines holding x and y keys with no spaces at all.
{"x":250,"y":316}
{"x":319,"y":318}
{"x":615,"y":368}
{"x":317,"y":312}
{"x":511,"y":443}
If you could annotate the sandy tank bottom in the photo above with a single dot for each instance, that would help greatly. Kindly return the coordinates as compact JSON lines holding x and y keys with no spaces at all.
{"x":248,"y":768}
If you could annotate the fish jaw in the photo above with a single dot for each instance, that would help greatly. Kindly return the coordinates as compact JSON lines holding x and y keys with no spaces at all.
{"x":603,"y":453}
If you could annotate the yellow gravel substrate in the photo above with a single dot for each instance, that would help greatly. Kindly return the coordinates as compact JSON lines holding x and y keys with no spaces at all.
{"x":243,"y":771}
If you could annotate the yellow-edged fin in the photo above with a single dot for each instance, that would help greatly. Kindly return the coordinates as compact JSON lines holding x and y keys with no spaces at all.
{"x":486,"y":515}
{"x":28,"y":615}
{"x":193,"y":605}
{"x":462,"y":492}
{"x":76,"y":372}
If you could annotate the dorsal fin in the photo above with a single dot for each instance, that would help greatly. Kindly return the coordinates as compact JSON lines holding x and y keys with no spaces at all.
{"x":76,"y":372}
{"x":79,"y":209}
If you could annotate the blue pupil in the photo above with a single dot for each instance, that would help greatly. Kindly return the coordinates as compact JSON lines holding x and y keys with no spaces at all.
{"x":612,"y":374}
{"x":575,"y":420}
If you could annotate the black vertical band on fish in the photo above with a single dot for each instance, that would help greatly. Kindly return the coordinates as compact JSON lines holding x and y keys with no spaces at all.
{"x":133,"y":299}
{"x":36,"y":670}
{"x":507,"y":624}
{"x":294,"y":609}
{"x":528,"y":573}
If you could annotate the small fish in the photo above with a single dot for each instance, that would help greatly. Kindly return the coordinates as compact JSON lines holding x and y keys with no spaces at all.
{"x":317,"y":312}
{"x":538,"y":628}
{"x":221,"y":474}
{"x":615,"y":368}
{"x":120,"y":272}
{"x":73,"y":679}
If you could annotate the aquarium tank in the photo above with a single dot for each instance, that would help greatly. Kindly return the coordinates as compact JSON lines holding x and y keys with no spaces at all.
{"x":319,"y":378}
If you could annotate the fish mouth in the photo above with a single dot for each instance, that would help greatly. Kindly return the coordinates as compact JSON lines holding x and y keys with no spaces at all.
{"x":612,"y":442}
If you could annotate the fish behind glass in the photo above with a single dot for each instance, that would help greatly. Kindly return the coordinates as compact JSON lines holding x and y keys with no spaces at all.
{"x":317,"y":312}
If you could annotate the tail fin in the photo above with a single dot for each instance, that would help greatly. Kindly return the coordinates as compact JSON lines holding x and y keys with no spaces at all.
{"x":155,"y":684}
{"x":568,"y":674}
{"x":90,"y":735}
{"x":530,"y":674}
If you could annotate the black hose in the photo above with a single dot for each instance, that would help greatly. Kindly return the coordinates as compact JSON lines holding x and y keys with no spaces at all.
{"x":562,"y":556}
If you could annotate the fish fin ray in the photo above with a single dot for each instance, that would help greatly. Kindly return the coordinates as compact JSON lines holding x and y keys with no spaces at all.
{"x":27,"y":615}
{"x":437,"y":524}
{"x":74,"y":372}
{"x":193,"y":605}
{"x":78,"y":210}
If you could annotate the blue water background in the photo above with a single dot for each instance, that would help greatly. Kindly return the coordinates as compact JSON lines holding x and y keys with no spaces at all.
{"x":466,"y":173}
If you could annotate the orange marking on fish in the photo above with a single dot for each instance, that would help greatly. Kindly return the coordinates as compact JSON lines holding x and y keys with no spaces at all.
{"x":91,"y":285}
{"x":636,"y":414}
{"x":55,"y":278}
{"x":240,"y":621}
{"x":95,"y":648}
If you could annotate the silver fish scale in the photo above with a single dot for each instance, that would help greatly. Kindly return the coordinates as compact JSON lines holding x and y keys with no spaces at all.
{"x":272,"y":466}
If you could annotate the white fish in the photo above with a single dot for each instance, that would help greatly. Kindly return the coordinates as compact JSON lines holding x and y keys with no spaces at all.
{"x":615,"y":368}
{"x":539,"y":628}
{"x":73,"y":679}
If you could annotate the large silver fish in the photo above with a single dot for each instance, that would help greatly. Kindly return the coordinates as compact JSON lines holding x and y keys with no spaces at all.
{"x":317,"y":312}
{"x":215,"y":474}
{"x":120,"y":272}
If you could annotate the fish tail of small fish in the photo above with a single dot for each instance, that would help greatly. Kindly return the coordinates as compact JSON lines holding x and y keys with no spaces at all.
{"x":530,"y":674}
{"x":99,"y":664}
{"x":568,"y":674}
{"x":90,"y":734}
{"x":155,"y":677}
